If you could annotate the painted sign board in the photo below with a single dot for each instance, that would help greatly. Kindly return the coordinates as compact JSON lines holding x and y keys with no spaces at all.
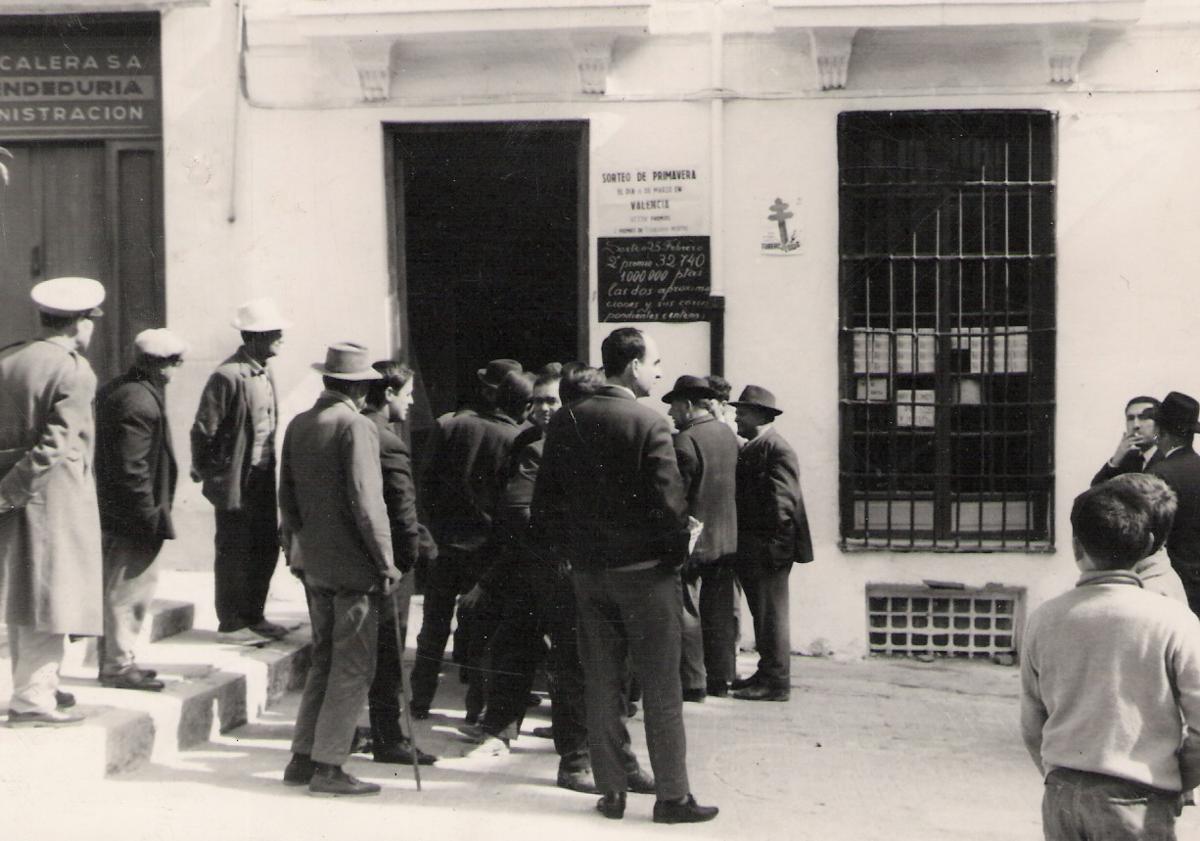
{"x":660,"y":278}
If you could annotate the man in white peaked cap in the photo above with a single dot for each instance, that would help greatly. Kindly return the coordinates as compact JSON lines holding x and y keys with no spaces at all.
{"x":50,"y":562}
{"x":233,"y":453}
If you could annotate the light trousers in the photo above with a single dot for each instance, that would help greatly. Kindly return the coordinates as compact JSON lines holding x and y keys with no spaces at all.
{"x":36,"y":658}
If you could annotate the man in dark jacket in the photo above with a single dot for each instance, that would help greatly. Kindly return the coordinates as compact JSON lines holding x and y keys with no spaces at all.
{"x":1138,"y":448}
{"x":461,"y":486}
{"x":1180,"y":467}
{"x":135,"y":481}
{"x":610,"y":500}
{"x":707,"y":452}
{"x":772,"y":535}
{"x":233,"y":453}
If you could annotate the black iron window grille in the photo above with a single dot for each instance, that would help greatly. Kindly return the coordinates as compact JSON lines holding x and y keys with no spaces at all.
{"x":947,"y":330}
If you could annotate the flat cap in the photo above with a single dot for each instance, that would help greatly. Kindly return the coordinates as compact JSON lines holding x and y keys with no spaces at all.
{"x":68,"y":296}
{"x":160,"y":342}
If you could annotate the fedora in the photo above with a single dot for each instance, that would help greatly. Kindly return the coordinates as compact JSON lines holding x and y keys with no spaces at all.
{"x":1178,"y":412}
{"x":688,"y":387}
{"x":69,"y":296}
{"x":347,"y":361}
{"x":259,"y":316}
{"x":494,"y":373}
{"x":757,"y":397}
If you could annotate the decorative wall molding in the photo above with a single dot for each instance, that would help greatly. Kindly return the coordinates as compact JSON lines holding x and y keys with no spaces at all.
{"x":593,"y":57}
{"x":373,"y":60}
{"x":831,"y":49}
{"x":1063,"y":47}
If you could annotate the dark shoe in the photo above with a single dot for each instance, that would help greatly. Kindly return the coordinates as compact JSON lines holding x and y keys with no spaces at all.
{"x":533,"y":700}
{"x":51,"y":719}
{"x":745,"y":682}
{"x":542,"y":732}
{"x":640,"y":782}
{"x":63,"y":700}
{"x":631,"y":709}
{"x":471,"y":717}
{"x":330,"y":780}
{"x":269,"y":630}
{"x":401,"y":753}
{"x":299,"y":772}
{"x":612,"y":805}
{"x":761,"y":692}
{"x":718,"y":688}
{"x":580,"y":781}
{"x":695,"y":696}
{"x":133,"y":678}
{"x":420,"y":713}
{"x":683,"y":811}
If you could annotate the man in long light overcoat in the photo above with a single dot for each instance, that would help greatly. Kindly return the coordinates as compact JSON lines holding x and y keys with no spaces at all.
{"x":50,"y":560}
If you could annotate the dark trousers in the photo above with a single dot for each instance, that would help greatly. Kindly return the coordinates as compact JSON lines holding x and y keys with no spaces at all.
{"x":634,"y":613}
{"x":130,"y":578}
{"x":344,"y":642}
{"x":383,"y":699}
{"x":452,"y":574}
{"x":1081,"y":806}
{"x":766,"y":589}
{"x":247,"y":550}
{"x":709,"y":627}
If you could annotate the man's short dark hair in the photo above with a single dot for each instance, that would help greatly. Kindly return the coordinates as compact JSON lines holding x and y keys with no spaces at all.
{"x":59,"y":322}
{"x":1159,"y":499}
{"x":350,"y":388}
{"x":395,"y":376}
{"x":620,"y":347}
{"x":512,"y":395}
{"x":249,"y":335}
{"x":721,"y":386}
{"x":1153,"y":401}
{"x":579,"y":380}
{"x":552,"y":372}
{"x":1113,"y":522}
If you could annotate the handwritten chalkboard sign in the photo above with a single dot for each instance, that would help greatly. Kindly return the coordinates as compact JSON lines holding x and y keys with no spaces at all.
{"x":653,"y":278}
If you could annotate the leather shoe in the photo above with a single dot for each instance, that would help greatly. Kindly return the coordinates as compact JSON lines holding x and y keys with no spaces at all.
{"x":401,"y":753}
{"x":330,"y":780}
{"x":640,"y":782}
{"x":132,"y":679}
{"x":50,"y":719}
{"x":745,"y":682}
{"x":612,"y":805}
{"x":761,"y":692}
{"x":63,"y":700}
{"x":683,"y":811}
{"x":542,"y":732}
{"x":533,"y":700}
{"x":695,"y":696}
{"x":420,"y":713}
{"x":580,"y":781}
{"x":299,"y":772}
{"x":718,"y":688}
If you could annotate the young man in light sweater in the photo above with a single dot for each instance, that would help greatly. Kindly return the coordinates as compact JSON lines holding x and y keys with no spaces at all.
{"x":1110,"y":675}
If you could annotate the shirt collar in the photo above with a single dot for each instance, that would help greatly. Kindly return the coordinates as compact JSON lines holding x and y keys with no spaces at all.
{"x":1109,"y":576}
{"x":256,"y":368}
{"x":1171,"y":451}
{"x":337,"y":397}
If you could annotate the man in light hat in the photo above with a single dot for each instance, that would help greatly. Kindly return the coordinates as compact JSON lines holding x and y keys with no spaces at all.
{"x":233,"y":453}
{"x":772,"y":535}
{"x":50,"y":556}
{"x":1180,"y":467}
{"x":135,"y":479}
{"x":335,"y":522}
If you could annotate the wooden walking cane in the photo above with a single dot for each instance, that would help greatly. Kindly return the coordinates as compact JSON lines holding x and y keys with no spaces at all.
{"x":412,"y":736}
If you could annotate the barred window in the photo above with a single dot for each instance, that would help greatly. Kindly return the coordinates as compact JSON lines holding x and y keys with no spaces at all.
{"x":947,"y":330}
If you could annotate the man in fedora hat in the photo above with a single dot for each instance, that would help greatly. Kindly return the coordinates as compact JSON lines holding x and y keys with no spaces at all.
{"x":707,"y":452}
{"x":135,"y":479}
{"x":461,"y":487}
{"x":335,"y":523}
{"x":50,"y":554}
{"x":1138,"y":448}
{"x":233,"y":453}
{"x":609,"y":500}
{"x":772,"y":535}
{"x":1180,"y":468}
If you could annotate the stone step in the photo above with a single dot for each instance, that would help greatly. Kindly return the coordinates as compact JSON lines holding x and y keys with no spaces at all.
{"x":167,"y":618}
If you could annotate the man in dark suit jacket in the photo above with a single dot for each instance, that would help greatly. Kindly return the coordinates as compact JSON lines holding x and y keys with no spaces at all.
{"x":135,"y":482}
{"x":1138,"y":449}
{"x":335,"y":527}
{"x":772,"y":535}
{"x":1180,"y":468}
{"x":610,"y":500}
{"x":707,"y":452}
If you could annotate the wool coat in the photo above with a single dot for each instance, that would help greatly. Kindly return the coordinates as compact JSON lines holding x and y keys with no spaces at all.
{"x":410,"y":539}
{"x":772,"y":523}
{"x":1181,"y":470}
{"x":707,"y":453}
{"x":50,"y":558}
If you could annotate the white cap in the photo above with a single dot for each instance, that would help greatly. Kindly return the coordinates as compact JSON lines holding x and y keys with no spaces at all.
{"x":160,"y":342}
{"x":259,"y":316}
{"x":68,"y":296}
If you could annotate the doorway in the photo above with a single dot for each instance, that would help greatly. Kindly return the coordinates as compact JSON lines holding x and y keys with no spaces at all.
{"x":490,"y":233}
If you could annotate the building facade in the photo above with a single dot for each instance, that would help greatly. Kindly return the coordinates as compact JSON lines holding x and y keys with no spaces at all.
{"x":952,"y":236}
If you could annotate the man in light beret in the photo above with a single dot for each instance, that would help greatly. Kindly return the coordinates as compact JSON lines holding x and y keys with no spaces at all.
{"x":50,"y":561}
{"x":135,"y":478}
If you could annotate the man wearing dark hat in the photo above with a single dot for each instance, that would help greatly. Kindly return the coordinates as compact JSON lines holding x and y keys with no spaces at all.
{"x":50,"y":553}
{"x":609,"y":499}
{"x":233,"y":453}
{"x":1138,"y":448}
{"x":135,"y":479}
{"x":772,"y":535}
{"x":461,"y":486}
{"x":1180,"y":468}
{"x":707,"y":453}
{"x":335,"y":523}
